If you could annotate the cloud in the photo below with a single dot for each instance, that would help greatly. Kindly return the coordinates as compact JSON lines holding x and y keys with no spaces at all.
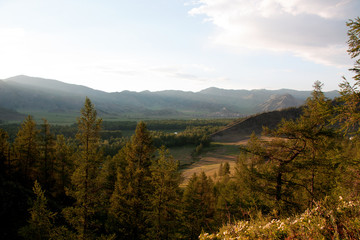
{"x":193,"y":77}
{"x":314,"y":30}
{"x":177,"y":72}
{"x":185,"y":72}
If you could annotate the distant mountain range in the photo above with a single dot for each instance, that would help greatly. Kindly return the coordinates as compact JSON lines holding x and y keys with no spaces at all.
{"x":24,"y":95}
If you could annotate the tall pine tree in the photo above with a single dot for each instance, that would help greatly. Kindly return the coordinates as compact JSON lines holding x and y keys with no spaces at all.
{"x":27,"y":149}
{"x":130,"y":201}
{"x":165,"y":208}
{"x":4,"y":152}
{"x":40,"y":225}
{"x":63,"y":165}
{"x":295,"y":167}
{"x":85,"y":187}
{"x":199,"y":206}
{"x":47,"y":148}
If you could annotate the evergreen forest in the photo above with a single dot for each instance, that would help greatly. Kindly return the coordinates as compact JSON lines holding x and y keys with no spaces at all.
{"x":89,"y":181}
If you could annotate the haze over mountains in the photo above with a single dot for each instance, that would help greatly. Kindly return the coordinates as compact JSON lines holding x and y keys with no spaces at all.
{"x":36,"y":95}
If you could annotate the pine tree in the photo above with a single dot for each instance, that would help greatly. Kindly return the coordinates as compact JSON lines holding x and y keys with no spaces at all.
{"x":354,"y":45}
{"x":199,"y":206}
{"x":348,"y":113}
{"x":41,"y":219}
{"x":130,"y":202}
{"x":85,"y":188}
{"x":230,"y":200}
{"x":221,"y":170}
{"x":4,"y":152}
{"x":165,"y":208}
{"x":294,"y":167}
{"x":26,"y":148}
{"x":63,"y":165}
{"x":320,"y":159}
{"x":226,"y":168}
{"x":47,"y":148}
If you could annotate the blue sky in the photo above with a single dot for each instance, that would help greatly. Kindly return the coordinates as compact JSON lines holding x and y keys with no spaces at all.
{"x":116,"y":45}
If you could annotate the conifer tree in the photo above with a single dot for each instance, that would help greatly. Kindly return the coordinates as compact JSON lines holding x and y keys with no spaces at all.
{"x":297,"y":158}
{"x":221,"y":170}
{"x":230,"y":200}
{"x":4,"y":152}
{"x":26,"y":148}
{"x":320,"y":159}
{"x":199,"y":206}
{"x":354,"y":45}
{"x":130,"y":202}
{"x":250,"y":175}
{"x":47,"y":145}
{"x":63,"y":165}
{"x":41,"y":219}
{"x":348,"y":113}
{"x":85,"y":187}
{"x":165,"y":208}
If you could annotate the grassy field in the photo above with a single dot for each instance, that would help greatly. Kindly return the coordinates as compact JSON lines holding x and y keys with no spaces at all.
{"x":208,"y":161}
{"x":183,"y":155}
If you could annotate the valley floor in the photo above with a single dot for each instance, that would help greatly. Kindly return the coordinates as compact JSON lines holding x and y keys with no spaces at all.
{"x":211,"y":158}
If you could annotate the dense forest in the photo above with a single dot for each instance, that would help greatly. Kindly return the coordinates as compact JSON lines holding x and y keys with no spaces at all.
{"x":87,"y":181}
{"x":87,"y":177}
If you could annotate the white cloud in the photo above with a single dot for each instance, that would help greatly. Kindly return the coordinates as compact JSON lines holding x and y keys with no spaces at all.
{"x":193,"y":72}
{"x":314,"y":30}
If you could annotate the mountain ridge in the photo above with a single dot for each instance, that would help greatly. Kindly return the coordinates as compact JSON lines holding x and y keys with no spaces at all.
{"x":30,"y":94}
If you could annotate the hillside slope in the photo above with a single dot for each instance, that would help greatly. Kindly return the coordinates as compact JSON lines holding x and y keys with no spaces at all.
{"x":243,"y":128}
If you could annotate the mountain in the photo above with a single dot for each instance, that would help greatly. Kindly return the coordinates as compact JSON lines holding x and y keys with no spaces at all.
{"x":243,"y":128}
{"x":278,"y":102}
{"x":31,"y":95}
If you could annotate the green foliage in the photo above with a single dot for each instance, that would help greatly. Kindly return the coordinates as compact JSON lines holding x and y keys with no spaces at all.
{"x":326,"y":220}
{"x":41,"y":219}
{"x":294,"y":168}
{"x":4,"y":152}
{"x":199,"y":205}
{"x":190,"y":136}
{"x":348,"y":110}
{"x":224,"y":169}
{"x":354,"y":45}
{"x":27,"y":149}
{"x":85,"y":186}
{"x":231,"y":201}
{"x":129,"y":204}
{"x":47,"y":149}
{"x":165,"y":209}
{"x":63,"y":165}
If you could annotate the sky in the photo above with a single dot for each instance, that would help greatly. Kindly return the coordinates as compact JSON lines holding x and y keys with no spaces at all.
{"x":190,"y":45}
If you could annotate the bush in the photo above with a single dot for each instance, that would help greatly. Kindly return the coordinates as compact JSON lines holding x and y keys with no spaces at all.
{"x":327,"y":220}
